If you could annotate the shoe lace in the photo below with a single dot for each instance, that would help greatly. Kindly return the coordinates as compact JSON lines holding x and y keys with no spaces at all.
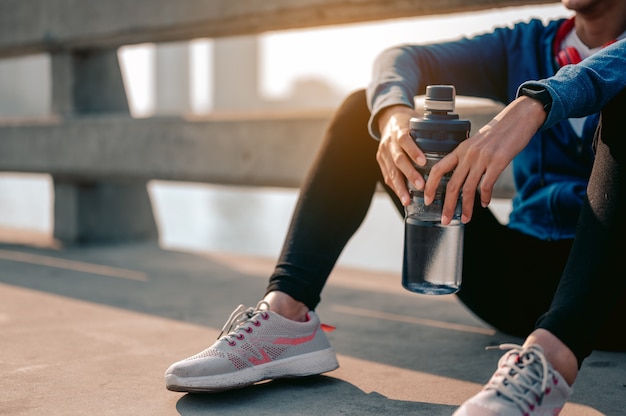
{"x":240,"y":316}
{"x":524,"y":380}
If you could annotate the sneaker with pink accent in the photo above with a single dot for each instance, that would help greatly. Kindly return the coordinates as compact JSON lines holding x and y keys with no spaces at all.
{"x":259,"y":345}
{"x":525,"y":384}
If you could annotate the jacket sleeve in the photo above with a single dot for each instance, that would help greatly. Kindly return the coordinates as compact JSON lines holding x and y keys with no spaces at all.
{"x":476,"y":67}
{"x":585,"y":88}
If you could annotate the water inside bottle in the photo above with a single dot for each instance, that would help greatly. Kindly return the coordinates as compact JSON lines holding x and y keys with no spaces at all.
{"x":433,"y":257}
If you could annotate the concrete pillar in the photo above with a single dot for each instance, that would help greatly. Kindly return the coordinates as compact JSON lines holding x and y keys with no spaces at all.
{"x":88,"y":83}
{"x":236,"y":73}
{"x":24,"y":86}
{"x":172,"y":79}
{"x":96,"y":212}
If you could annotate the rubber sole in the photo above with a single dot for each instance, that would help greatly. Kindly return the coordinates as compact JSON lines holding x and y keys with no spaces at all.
{"x":313,"y":363}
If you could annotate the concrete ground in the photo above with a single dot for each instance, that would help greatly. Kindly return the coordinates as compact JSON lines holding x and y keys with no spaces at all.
{"x":90,"y":331}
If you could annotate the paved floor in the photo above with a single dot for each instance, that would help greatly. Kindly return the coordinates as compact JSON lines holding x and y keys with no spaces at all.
{"x":90,"y":331}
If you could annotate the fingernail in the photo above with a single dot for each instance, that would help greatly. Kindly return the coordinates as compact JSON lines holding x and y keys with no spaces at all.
{"x":427,"y":200}
{"x":405,"y":200}
{"x":418,"y":184}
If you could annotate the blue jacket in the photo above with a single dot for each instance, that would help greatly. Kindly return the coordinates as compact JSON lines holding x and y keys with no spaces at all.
{"x":551,"y":173}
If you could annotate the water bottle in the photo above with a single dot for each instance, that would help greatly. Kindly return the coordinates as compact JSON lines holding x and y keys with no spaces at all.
{"x":433,"y":253}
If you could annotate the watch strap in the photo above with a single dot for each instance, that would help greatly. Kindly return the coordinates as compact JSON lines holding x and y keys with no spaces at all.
{"x":540,"y":94}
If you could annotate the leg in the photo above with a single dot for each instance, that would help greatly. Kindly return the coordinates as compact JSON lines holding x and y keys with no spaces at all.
{"x":591,"y":291}
{"x":282,"y":336}
{"x":333,"y":202}
{"x":504,"y":273}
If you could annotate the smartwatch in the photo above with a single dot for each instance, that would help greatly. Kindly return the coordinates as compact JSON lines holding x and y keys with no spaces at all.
{"x":540,"y":94}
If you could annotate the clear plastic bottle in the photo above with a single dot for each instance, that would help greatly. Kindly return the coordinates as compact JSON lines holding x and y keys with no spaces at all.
{"x":433,"y":253}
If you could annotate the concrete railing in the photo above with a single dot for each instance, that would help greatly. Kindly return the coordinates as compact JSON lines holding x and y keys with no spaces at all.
{"x":100,"y":158}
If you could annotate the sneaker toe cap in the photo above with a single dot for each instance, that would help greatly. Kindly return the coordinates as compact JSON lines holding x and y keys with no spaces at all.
{"x":202,"y":367}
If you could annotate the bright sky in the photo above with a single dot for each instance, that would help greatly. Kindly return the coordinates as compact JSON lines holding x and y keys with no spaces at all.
{"x":342,"y":56}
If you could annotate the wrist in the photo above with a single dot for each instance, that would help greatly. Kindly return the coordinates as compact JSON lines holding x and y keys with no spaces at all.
{"x":388,"y":113}
{"x":533,"y":111}
{"x":539,"y":94}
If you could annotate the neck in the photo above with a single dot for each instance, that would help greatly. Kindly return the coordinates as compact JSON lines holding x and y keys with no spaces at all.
{"x":601,"y":23}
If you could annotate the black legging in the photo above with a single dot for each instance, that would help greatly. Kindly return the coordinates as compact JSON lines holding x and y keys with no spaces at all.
{"x":591,"y":298}
{"x":509,"y":278}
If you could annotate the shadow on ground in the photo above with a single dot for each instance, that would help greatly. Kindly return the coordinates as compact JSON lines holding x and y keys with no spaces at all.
{"x":323,"y":396}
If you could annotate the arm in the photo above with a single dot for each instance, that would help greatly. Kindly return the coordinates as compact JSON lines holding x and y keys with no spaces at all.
{"x":476,"y":67}
{"x":401,"y":73}
{"x":576,"y":90}
{"x":584,"y":89}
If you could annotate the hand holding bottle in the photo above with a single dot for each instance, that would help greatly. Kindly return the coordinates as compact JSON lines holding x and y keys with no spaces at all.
{"x":397,"y":152}
{"x":477,"y":163}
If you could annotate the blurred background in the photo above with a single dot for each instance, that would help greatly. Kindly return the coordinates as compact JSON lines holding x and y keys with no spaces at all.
{"x":310,"y":69}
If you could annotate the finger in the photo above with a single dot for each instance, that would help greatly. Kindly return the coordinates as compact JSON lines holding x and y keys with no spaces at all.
{"x":445,"y":165}
{"x":488,"y":183}
{"x":399,"y":185}
{"x":402,"y":168}
{"x":393,"y":177}
{"x":412,"y":150}
{"x":469,"y":194}
{"x":407,"y":158}
{"x":452,"y":194}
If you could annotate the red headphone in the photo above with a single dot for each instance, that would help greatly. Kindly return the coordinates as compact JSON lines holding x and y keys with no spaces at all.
{"x":569,"y":55}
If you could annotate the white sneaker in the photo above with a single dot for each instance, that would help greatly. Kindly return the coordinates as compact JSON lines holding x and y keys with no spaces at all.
{"x":259,"y":345}
{"x":525,"y":384}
